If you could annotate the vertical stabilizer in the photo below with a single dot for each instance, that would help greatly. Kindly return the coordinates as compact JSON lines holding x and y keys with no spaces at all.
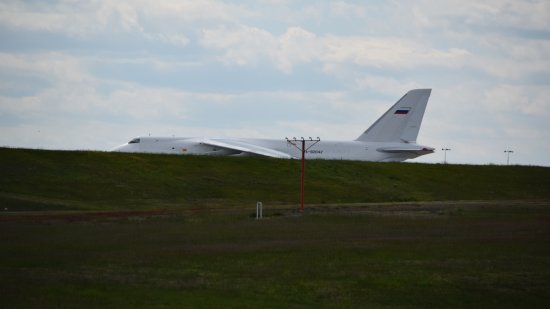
{"x":401,"y":122}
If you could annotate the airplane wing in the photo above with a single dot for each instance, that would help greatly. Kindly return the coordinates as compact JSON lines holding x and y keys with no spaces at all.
{"x":247,"y":147}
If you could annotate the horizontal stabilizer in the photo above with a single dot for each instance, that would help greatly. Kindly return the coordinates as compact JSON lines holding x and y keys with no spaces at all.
{"x":416,"y":149}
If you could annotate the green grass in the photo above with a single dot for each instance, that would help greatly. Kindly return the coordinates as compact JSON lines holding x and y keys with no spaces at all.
{"x":207,"y":251}
{"x":436,"y":255}
{"x":65,"y":180}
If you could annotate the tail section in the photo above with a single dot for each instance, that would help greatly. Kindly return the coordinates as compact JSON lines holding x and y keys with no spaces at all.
{"x":402,"y":121}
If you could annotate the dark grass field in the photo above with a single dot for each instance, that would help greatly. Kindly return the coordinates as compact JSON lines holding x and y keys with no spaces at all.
{"x":87,"y":229}
{"x":453,"y":255}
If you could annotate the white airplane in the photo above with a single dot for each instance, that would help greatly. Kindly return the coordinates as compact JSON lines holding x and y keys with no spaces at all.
{"x":391,"y":138}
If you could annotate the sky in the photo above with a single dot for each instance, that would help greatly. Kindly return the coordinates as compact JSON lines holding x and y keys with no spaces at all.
{"x":91,"y":75}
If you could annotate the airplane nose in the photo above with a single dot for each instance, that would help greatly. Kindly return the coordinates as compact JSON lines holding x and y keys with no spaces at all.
{"x":121,"y":148}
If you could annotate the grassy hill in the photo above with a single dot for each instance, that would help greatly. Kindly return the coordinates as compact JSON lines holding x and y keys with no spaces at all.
{"x":443,"y":254}
{"x":75,"y":180}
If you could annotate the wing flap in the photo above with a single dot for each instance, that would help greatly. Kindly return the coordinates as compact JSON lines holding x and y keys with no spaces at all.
{"x":247,"y":147}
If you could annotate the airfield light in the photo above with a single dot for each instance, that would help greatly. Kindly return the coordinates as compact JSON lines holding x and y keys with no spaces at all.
{"x":508,"y":152}
{"x":445,"y":154}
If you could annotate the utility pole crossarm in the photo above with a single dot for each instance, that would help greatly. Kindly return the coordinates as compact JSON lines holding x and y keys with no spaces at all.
{"x":302,"y":141}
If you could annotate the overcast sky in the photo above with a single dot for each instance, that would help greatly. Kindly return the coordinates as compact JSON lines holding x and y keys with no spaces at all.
{"x":94,"y":74}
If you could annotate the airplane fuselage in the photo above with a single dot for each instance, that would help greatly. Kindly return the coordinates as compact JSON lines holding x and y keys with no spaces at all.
{"x":391,"y":138}
{"x":328,"y":150}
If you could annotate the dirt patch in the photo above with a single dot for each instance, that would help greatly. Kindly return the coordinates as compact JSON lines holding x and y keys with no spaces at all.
{"x":391,"y":209}
{"x":78,"y":216}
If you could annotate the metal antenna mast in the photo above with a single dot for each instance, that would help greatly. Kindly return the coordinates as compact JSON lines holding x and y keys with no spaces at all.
{"x":300,"y":144}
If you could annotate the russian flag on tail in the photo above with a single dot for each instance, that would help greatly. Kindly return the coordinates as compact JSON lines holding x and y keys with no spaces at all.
{"x":402,"y":111}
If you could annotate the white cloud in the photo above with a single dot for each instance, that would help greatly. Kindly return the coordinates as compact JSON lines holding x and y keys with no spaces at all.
{"x":296,"y":46}
{"x":386,"y":85}
{"x":160,"y":21}
{"x":247,"y":46}
{"x":250,"y":45}
{"x":527,"y":100}
{"x":54,"y":65}
{"x":78,"y":19}
{"x":243,"y":46}
{"x":346,"y":9}
{"x":504,"y":14}
{"x":389,"y":53}
{"x":506,"y":39}
{"x":487,"y":62}
{"x":514,"y":58}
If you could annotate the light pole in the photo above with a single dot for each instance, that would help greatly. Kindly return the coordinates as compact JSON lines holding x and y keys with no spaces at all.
{"x":445,"y":154}
{"x":508,"y":152}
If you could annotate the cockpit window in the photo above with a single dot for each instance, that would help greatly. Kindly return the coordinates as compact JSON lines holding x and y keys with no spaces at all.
{"x":134,"y":141}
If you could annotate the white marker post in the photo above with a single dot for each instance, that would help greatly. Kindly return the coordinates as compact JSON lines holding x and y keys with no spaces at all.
{"x":259,"y":213}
